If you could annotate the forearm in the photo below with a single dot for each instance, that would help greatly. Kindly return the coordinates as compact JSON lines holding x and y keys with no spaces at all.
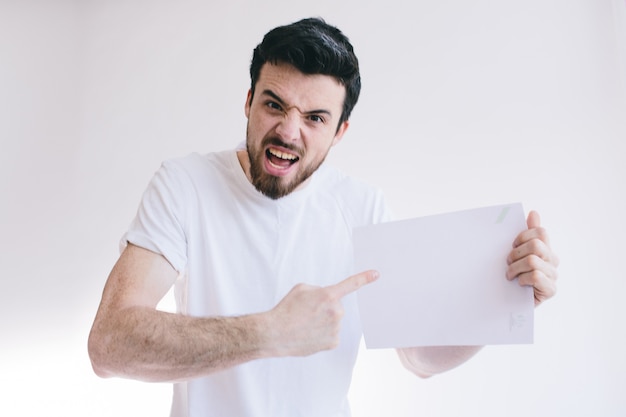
{"x":431,"y":360}
{"x":145,"y":344}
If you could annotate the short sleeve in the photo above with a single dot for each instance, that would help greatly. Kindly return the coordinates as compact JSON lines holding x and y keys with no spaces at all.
{"x":159,"y":224}
{"x":379,"y":211}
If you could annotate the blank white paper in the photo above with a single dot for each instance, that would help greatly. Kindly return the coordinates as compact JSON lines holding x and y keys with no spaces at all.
{"x":443,"y":280}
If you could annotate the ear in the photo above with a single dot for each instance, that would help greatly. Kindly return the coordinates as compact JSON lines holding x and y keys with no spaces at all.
{"x":340,"y":132}
{"x":248,"y":104}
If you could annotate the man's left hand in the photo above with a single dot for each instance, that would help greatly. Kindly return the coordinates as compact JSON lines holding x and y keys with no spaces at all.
{"x":532,"y":260}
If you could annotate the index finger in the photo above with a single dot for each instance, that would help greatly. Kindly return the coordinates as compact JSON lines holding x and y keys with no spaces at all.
{"x":353,"y":283}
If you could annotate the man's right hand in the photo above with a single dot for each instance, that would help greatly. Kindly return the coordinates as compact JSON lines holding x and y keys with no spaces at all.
{"x":308,"y":319}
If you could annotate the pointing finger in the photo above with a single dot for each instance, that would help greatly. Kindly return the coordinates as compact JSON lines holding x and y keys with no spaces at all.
{"x":353,"y":283}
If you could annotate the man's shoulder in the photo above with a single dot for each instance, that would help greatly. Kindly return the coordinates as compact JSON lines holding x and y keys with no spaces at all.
{"x":199,"y":166}
{"x":358,"y":200}
{"x":337,"y":181}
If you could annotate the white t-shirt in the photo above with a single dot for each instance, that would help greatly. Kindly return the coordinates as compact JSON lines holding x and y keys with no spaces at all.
{"x":241,"y":252}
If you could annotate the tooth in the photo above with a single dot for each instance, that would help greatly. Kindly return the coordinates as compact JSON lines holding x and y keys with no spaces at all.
{"x":282,"y":155}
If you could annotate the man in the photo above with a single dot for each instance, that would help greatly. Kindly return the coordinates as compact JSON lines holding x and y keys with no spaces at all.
{"x":258,"y":243}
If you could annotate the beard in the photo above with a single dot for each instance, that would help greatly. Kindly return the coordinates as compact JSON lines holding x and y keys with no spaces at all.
{"x":270,"y":185}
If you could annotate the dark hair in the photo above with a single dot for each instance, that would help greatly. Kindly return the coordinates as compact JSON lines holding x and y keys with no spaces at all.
{"x":313,"y":47}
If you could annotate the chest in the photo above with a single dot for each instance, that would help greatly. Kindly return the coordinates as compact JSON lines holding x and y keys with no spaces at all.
{"x":244,"y":257}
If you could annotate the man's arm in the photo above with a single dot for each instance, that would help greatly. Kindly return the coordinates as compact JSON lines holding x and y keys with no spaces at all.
{"x":427,"y":361}
{"x":130,"y":338}
{"x":532,"y":261}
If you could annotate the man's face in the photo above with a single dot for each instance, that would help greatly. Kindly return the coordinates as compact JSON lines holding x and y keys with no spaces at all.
{"x":292,"y":124}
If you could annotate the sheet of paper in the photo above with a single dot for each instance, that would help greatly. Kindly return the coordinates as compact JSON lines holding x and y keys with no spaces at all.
{"x":443,"y":280}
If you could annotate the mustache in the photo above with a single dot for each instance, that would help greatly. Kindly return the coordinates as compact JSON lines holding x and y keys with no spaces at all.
{"x":276,"y":141}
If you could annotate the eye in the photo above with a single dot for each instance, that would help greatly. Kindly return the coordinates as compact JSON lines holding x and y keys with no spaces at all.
{"x":316,"y":118}
{"x":273,"y":105}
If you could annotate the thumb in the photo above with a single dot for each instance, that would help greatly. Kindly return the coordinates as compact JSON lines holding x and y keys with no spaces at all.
{"x":533,"y":221}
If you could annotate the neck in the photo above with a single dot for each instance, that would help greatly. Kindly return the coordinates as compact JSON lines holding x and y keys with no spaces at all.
{"x":244,"y":161}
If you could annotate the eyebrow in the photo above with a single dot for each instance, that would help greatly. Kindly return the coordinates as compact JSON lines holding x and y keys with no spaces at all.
{"x":282,"y":103}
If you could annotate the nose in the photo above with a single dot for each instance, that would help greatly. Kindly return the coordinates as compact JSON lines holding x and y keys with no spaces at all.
{"x":288,"y":127}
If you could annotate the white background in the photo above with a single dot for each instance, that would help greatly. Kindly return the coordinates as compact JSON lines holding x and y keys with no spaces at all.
{"x":464,"y":104}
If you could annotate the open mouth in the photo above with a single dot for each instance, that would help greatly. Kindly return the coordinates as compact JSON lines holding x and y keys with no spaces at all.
{"x":279,"y":159}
